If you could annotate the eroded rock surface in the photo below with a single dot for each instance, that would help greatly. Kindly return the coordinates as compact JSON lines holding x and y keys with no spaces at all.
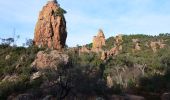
{"x":50,"y":60}
{"x":99,"y":40}
{"x":157,"y":45}
{"x":50,"y":30}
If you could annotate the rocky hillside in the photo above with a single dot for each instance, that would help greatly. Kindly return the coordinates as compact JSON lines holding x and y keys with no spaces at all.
{"x":134,"y":67}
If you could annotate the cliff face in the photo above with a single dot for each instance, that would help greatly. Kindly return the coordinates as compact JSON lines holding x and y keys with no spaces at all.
{"x":50,"y":30}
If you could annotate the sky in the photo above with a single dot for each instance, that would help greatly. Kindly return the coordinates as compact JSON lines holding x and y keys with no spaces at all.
{"x":85,"y":17}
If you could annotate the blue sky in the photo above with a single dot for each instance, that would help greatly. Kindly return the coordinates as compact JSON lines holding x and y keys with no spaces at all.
{"x":85,"y":17}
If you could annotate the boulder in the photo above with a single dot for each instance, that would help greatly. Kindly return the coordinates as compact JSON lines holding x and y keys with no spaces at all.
{"x":136,"y":44}
{"x":157,"y":45}
{"x":135,"y":40}
{"x":50,"y":60}
{"x":104,"y":55}
{"x":118,"y":42}
{"x":137,"y":47}
{"x":113,"y":51}
{"x":109,"y":81}
{"x":84,"y":49}
{"x":36,"y":75}
{"x":7,"y":57}
{"x":10,"y":78}
{"x":50,"y":30}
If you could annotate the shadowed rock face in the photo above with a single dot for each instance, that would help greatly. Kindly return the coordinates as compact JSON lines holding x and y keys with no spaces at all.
{"x":50,"y":30}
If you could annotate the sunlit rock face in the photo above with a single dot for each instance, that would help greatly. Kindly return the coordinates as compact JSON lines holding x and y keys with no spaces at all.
{"x":50,"y":30}
{"x":99,"y":40}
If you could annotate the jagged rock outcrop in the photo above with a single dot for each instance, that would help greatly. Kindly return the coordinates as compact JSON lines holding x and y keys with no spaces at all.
{"x":109,"y":81}
{"x":84,"y":49}
{"x":157,"y":45}
{"x":50,"y":30}
{"x":7,"y":57}
{"x":103,"y":55}
{"x":115,"y":50}
{"x":10,"y":78}
{"x":136,"y":45}
{"x":118,"y":42}
{"x":36,"y":75}
{"x":50,"y":60}
{"x":98,"y":41}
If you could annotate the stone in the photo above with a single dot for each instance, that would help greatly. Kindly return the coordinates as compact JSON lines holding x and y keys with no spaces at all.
{"x":137,"y":47}
{"x":50,"y":30}
{"x":84,"y":49}
{"x":50,"y":60}
{"x":99,"y":40}
{"x":36,"y":75}
{"x":104,"y":55}
{"x":109,"y":81}
{"x":135,"y":40}
{"x":118,"y":42}
{"x":7,"y":57}
{"x":10,"y":78}
{"x":115,"y":50}
{"x":157,"y":45}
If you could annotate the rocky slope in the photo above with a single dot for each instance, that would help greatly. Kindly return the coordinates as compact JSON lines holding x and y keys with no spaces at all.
{"x":124,"y":72}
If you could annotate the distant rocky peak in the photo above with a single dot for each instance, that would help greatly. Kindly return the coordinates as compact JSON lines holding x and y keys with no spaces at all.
{"x":100,"y":33}
{"x":53,"y":1}
{"x":99,"y":40}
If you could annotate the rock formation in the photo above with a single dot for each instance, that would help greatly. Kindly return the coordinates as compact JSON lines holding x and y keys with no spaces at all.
{"x":50,"y":60}
{"x":157,"y":45}
{"x":109,"y":81}
{"x":84,"y":49}
{"x":136,"y":45}
{"x":50,"y":30}
{"x":115,"y":50}
{"x":10,"y":78}
{"x":103,"y":55}
{"x":99,"y":40}
{"x":118,"y":42}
